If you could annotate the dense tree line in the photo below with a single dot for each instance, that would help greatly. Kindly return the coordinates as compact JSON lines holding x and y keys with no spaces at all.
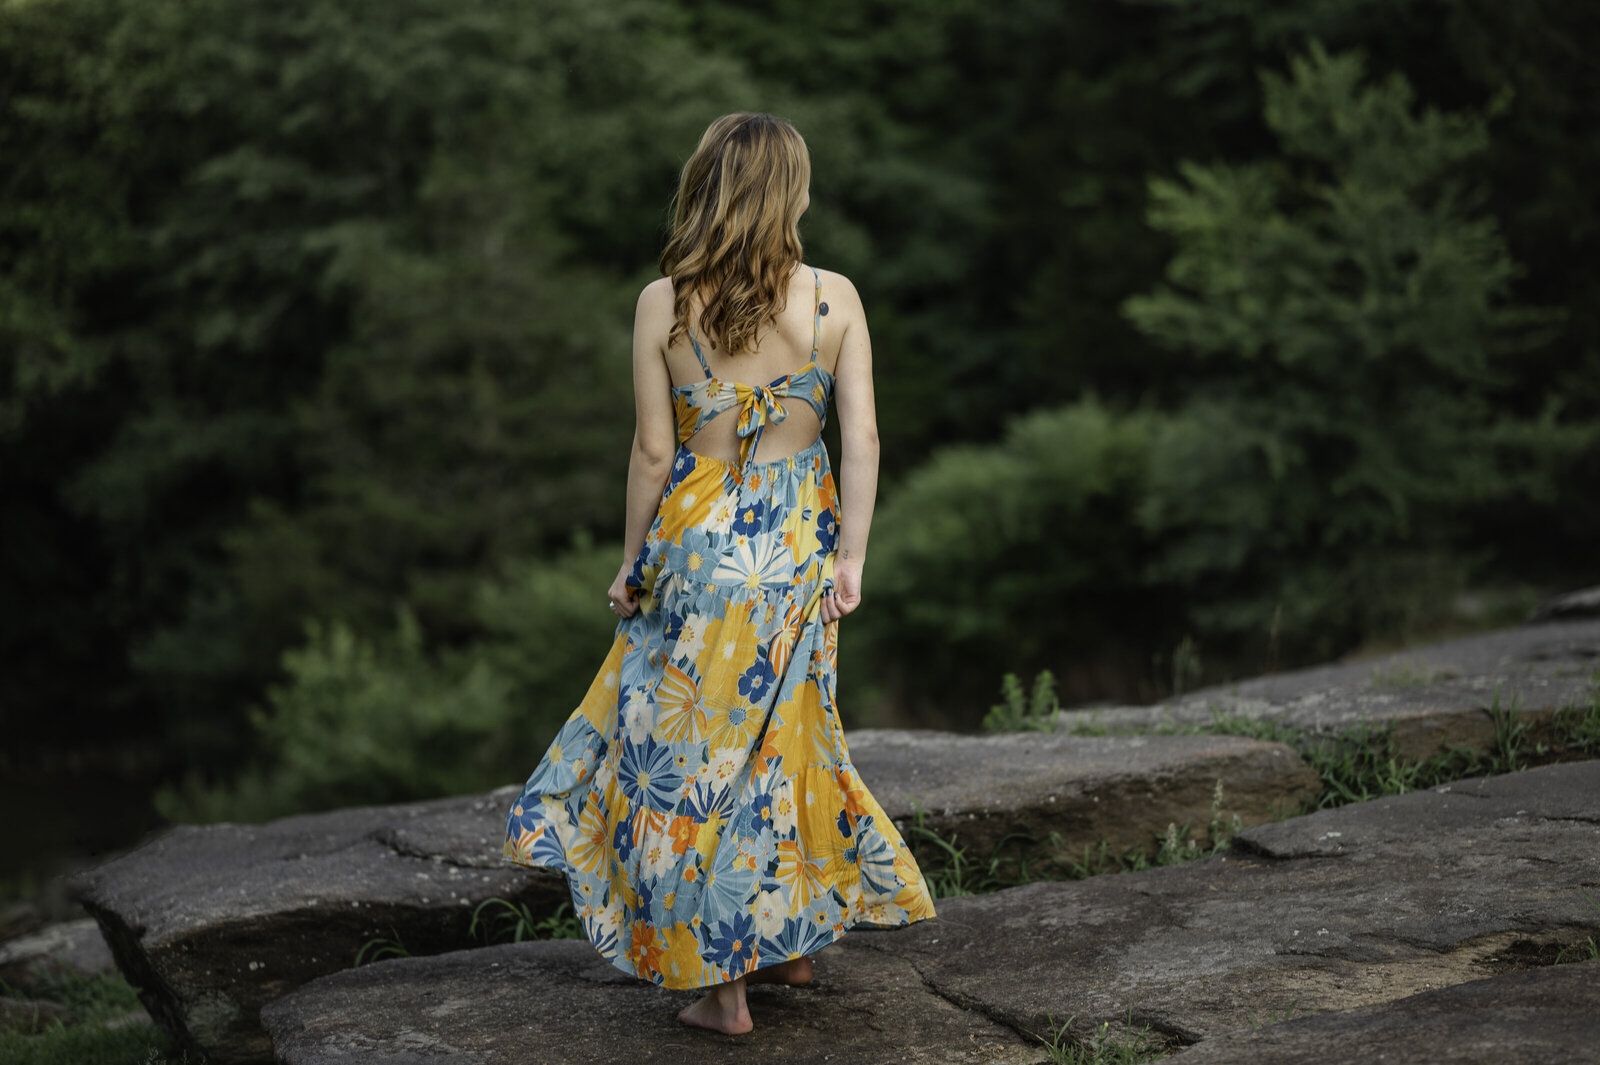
{"x":1258,"y":327}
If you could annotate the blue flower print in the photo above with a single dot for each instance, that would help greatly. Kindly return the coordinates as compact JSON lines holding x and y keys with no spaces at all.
{"x":622,"y":838}
{"x":693,"y":554}
{"x":603,"y":938}
{"x":647,"y":898}
{"x":827,"y":531}
{"x":729,"y":888}
{"x":635,"y":578}
{"x":755,"y":681}
{"x":760,"y":811}
{"x":750,"y":518}
{"x":800,"y":936}
{"x":648,"y":776}
{"x":734,"y":943}
{"x":708,"y":798}
{"x":682,"y":468}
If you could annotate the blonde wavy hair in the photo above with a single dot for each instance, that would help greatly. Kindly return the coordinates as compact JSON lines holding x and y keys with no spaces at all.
{"x":735,"y":227}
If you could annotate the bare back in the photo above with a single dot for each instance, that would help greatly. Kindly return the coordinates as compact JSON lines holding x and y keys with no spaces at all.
{"x":783,"y":348}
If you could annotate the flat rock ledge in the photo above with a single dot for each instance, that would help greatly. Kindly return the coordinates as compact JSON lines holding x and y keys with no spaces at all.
{"x":1334,"y":911}
{"x":1550,"y":1016}
{"x":58,"y":948}
{"x":1436,"y":695}
{"x":1348,"y":916}
{"x":1120,"y":790}
{"x":559,"y":1003}
{"x":1582,"y":603}
{"x":212,"y":922}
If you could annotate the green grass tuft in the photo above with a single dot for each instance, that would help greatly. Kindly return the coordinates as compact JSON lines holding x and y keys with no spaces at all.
{"x":377,"y":949}
{"x":1016,"y":713}
{"x":1128,"y":1046}
{"x":1587,"y":949}
{"x":948,"y":869}
{"x":97,"y":1001}
{"x":512,"y":922}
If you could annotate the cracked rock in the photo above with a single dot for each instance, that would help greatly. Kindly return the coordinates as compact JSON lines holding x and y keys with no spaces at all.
{"x":1121,"y":790}
{"x":1339,"y":910}
{"x":1549,"y":1015}
{"x":212,"y":922}
{"x":1436,"y":695}
{"x":559,"y":1003}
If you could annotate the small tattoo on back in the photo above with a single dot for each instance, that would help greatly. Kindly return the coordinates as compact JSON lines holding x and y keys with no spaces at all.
{"x":822,"y":309}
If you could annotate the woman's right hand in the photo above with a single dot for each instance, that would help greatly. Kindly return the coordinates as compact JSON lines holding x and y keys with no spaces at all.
{"x":845,"y":595}
{"x":624,"y":601}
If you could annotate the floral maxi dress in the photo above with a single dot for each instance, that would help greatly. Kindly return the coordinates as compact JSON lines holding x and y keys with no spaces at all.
{"x":701,"y":800}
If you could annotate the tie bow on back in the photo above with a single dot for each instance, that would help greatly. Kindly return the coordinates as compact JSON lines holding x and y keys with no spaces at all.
{"x":759,"y":406}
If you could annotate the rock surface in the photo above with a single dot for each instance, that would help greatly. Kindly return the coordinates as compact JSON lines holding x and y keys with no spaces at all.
{"x":1549,"y":1015}
{"x":558,"y":1003}
{"x":1334,"y":911}
{"x":1437,"y":695}
{"x":1344,"y":910}
{"x":1583,"y":603}
{"x":62,"y":946}
{"x":212,"y":922}
{"x":1121,"y":790}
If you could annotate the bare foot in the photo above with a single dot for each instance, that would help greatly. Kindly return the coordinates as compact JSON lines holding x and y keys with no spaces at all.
{"x":794,"y":972}
{"x":722,"y":1009}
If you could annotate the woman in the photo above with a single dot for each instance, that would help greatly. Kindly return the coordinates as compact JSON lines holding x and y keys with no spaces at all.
{"x":701,"y":799}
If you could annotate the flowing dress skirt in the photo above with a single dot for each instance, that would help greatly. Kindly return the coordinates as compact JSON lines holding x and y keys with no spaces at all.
{"x":701,"y":800}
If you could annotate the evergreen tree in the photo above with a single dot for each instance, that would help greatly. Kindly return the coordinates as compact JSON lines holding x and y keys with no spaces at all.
{"x":1355,"y":300}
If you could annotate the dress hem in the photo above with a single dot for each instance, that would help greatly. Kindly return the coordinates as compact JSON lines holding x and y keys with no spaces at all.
{"x":834,"y":936}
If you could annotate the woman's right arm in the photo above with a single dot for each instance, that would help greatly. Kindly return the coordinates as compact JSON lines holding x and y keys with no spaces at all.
{"x":858,"y":440}
{"x":655,"y":438}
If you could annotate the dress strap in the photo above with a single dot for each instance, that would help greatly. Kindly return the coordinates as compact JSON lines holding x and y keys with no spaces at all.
{"x":816,"y":318}
{"x":697,"y":354}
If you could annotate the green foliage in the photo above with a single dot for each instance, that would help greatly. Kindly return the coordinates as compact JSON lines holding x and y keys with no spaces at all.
{"x":315,"y":311}
{"x":1586,"y":949}
{"x":361,"y":721}
{"x":513,"y":922}
{"x":1015,"y":713}
{"x":98,"y":1030}
{"x":377,"y":949}
{"x":315,"y":307}
{"x":947,"y":869}
{"x":1006,"y":535}
{"x":1362,"y":762}
{"x":383,"y":720}
{"x":1577,"y":730}
{"x":1022,"y":858}
{"x":1127,"y":1046}
{"x":1363,"y":310}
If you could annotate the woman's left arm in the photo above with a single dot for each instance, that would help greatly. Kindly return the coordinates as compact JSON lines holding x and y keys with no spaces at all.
{"x":655,"y":434}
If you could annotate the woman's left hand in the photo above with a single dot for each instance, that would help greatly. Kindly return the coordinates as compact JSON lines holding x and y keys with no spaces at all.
{"x":624,"y":600}
{"x":845,"y":595}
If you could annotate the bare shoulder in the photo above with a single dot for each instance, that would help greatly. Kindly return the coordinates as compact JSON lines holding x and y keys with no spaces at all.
{"x":839,"y":290}
{"x":656,"y":295}
{"x":652,"y":316}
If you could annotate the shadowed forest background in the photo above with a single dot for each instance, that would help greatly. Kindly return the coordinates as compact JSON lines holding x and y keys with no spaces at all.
{"x":1210,"y":338}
